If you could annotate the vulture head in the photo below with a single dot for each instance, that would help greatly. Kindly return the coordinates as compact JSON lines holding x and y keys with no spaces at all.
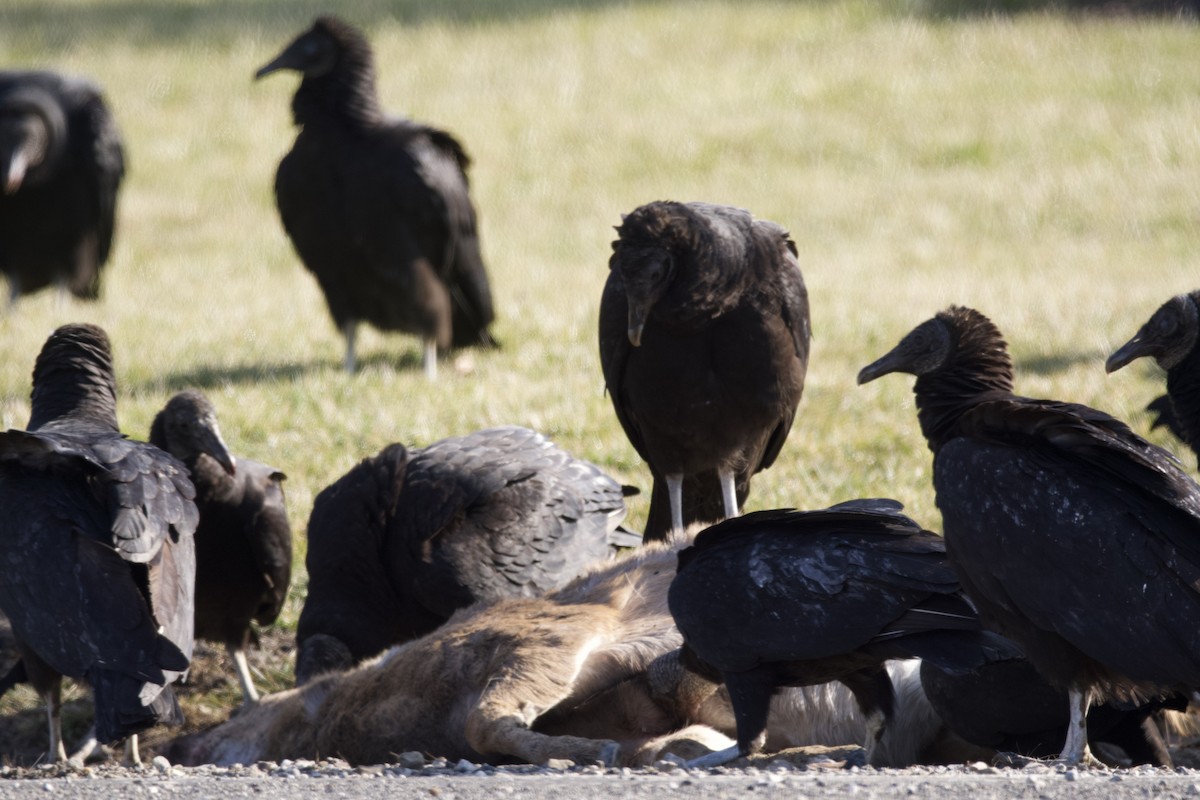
{"x":187,"y":428}
{"x":32,"y":132}
{"x":1168,"y":336}
{"x":73,"y":378}
{"x":317,"y":51}
{"x":937,"y":345}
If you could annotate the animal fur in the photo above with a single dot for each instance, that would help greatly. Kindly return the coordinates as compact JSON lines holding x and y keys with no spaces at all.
{"x":566,"y":676}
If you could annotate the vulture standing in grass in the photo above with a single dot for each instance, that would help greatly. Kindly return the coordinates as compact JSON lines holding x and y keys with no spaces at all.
{"x":1008,"y":707}
{"x":407,"y":537}
{"x":243,"y":541}
{"x":61,"y":164}
{"x":704,"y":335}
{"x":1169,"y":337}
{"x":1073,"y":536}
{"x":376,"y":206}
{"x":798,"y":598}
{"x":96,"y":543}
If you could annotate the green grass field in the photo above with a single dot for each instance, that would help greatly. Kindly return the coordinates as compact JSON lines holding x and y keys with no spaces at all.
{"x":1042,"y":167}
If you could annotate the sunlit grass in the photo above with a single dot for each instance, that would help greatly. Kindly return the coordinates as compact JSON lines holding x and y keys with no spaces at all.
{"x":1042,"y":168}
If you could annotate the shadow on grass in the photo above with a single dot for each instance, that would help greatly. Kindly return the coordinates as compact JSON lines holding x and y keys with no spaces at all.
{"x":214,"y":377}
{"x":966,"y":9}
{"x":1059,"y":362}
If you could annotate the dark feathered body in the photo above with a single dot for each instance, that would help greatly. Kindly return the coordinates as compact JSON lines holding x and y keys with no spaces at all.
{"x":787,"y":598}
{"x":378,"y":207}
{"x":1170,"y":337}
{"x":243,"y":541}
{"x":61,"y":166}
{"x":721,"y":311}
{"x":407,"y":537}
{"x":1070,"y":532}
{"x":1007,"y":706}
{"x":96,"y":543}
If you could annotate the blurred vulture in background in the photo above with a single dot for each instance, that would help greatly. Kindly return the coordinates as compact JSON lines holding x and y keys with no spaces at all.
{"x":96,"y":542}
{"x":407,"y":537}
{"x":243,"y":541}
{"x":1074,"y":537}
{"x":704,"y":334}
{"x":61,"y":164}
{"x":377,"y":206}
{"x":1169,"y":337}
{"x":798,"y":598}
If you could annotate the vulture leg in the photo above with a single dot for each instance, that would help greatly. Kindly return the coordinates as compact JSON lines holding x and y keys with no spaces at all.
{"x":729,"y":493}
{"x":349,"y":330}
{"x":873,"y":690}
{"x":238,"y":654}
{"x":750,"y":694}
{"x":14,"y":292}
{"x":675,"y":493}
{"x":86,"y":748}
{"x":431,"y":359}
{"x":132,"y":757}
{"x":1075,"y":750}
{"x":53,"y":698}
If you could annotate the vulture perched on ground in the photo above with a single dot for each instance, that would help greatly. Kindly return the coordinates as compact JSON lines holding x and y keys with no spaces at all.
{"x":243,"y":542}
{"x":407,"y":537}
{"x":1073,"y":536}
{"x":96,"y":542}
{"x":798,"y":598}
{"x":1007,"y":706}
{"x":376,"y":206}
{"x":61,"y":164}
{"x":1169,"y":337}
{"x":704,"y":335}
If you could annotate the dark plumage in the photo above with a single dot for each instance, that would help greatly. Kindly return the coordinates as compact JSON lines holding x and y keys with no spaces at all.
{"x":406,"y":537}
{"x":377,"y":206}
{"x":96,"y":542}
{"x":1170,"y":337}
{"x":1007,"y":706}
{"x":704,"y":335}
{"x":243,"y":542}
{"x":1068,"y":531}
{"x":797,"y":598}
{"x":61,"y":164}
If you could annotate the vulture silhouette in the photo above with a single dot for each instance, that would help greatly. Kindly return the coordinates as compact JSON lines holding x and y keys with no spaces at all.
{"x":377,"y":206}
{"x":704,"y":336}
{"x":61,"y":165}
{"x":96,"y":542}
{"x":1169,"y":337}
{"x":243,"y":541}
{"x":798,"y":598}
{"x":1074,"y":537}
{"x":408,"y":536}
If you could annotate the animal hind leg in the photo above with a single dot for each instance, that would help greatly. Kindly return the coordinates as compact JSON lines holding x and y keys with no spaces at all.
{"x":729,"y":492}
{"x":750,"y":694}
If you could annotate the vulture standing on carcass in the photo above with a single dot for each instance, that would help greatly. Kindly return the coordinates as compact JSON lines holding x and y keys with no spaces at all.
{"x":61,"y":164}
{"x":408,"y":536}
{"x":1169,"y":337}
{"x":376,"y":206}
{"x":1073,"y":536}
{"x":704,"y":335}
{"x":798,"y":598}
{"x":1005,"y":705}
{"x":96,"y":546}
{"x":243,"y":541}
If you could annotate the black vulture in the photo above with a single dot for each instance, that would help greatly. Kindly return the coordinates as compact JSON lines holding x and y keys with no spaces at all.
{"x":1169,"y":337}
{"x":1074,"y":537}
{"x":61,"y":161}
{"x":704,"y":335}
{"x":243,"y":542}
{"x":97,"y":545}
{"x":797,"y":598}
{"x":408,"y":536}
{"x":1005,"y":705}
{"x":377,"y":206}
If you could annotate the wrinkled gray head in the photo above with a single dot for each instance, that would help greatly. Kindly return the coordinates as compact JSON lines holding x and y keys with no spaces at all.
{"x":941,"y":342}
{"x":316,"y":51}
{"x":187,"y":428}
{"x":924,"y":349}
{"x":1167,"y":337}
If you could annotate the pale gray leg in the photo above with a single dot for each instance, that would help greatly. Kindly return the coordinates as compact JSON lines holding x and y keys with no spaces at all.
{"x":53,"y":700}
{"x":431,"y":367}
{"x":14,"y":293}
{"x":716,"y":758}
{"x":86,"y":748}
{"x":132,"y":757}
{"x":249,"y":693}
{"x":1076,"y":751}
{"x":348,"y":331}
{"x":675,"y":495}
{"x":729,"y":493}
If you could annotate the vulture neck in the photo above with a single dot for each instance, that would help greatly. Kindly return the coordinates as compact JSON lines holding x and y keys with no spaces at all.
{"x":346,"y":93}
{"x":1183,"y":386}
{"x":74,"y":390}
{"x":975,"y":375}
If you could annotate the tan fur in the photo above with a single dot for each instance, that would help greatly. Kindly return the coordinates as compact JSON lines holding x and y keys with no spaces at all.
{"x":567,"y":676}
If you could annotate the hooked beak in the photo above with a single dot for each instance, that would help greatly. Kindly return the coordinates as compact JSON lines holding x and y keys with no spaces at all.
{"x":15,"y":174}
{"x":1139,"y":346}
{"x":215,"y":446}
{"x":887,"y":364}
{"x":637,"y":321}
{"x":272,"y":66}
